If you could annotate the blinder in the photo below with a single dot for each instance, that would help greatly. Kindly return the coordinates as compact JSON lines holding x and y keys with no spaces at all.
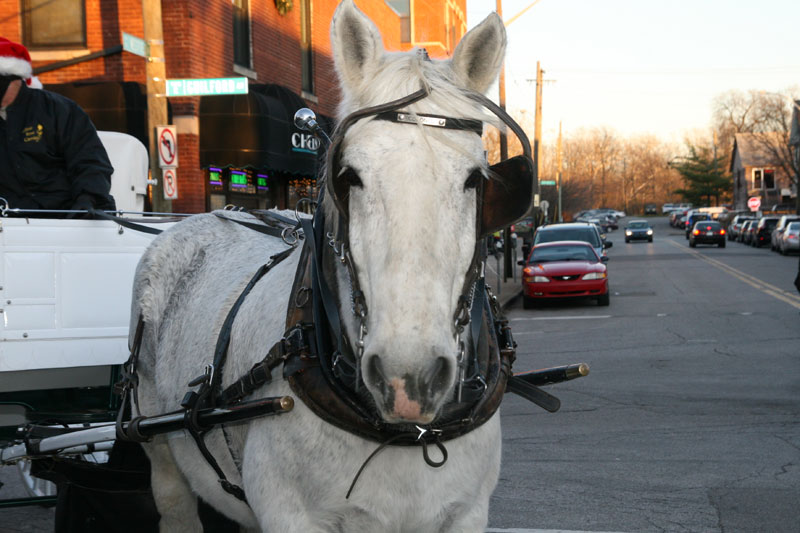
{"x":502,"y":199}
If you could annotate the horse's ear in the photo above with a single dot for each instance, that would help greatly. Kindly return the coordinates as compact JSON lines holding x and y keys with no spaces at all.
{"x":479,"y":55}
{"x":357,"y":45}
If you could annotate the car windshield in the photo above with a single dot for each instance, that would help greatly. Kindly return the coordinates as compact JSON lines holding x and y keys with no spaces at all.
{"x":567,"y":252}
{"x":638,"y":225}
{"x":586,"y":234}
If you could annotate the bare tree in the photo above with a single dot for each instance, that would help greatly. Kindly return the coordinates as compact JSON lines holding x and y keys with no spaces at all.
{"x":767,"y":116}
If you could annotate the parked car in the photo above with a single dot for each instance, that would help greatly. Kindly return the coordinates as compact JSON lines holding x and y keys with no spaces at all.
{"x":707,"y":232}
{"x":763,"y":231}
{"x":667,"y":208}
{"x":736,"y":225}
{"x":564,"y":269}
{"x":650,"y":209}
{"x":746,"y":232}
{"x":790,"y":239}
{"x":638,"y":230}
{"x":783,"y":222}
{"x":674,"y":217}
{"x":572,"y":231}
{"x":692,"y":218}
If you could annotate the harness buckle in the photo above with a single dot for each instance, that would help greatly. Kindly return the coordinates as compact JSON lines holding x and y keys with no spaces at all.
{"x":207,"y":377}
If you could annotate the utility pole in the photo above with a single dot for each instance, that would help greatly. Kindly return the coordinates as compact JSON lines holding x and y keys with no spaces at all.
{"x":156,"y":73}
{"x":537,"y":136}
{"x":558,"y":183}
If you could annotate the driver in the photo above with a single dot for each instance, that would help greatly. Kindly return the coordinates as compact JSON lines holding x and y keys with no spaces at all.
{"x":50,"y":154}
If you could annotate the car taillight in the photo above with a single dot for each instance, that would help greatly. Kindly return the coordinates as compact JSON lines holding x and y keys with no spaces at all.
{"x":696,"y":232}
{"x":722,"y":232}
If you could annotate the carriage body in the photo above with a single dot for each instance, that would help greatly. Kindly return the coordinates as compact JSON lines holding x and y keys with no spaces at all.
{"x":66,"y":287}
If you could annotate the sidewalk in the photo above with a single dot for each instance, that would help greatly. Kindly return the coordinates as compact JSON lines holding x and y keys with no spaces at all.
{"x":509,"y":290}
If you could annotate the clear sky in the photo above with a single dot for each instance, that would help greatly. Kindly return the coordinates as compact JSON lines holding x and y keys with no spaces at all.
{"x":643,"y":66}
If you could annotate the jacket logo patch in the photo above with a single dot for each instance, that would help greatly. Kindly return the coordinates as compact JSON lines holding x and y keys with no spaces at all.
{"x":32,"y":134}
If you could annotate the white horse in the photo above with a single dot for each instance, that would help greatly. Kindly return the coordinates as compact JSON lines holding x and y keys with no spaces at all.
{"x":411,"y":223}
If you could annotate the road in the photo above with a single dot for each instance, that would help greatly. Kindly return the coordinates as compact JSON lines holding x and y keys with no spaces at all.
{"x":689,"y":420}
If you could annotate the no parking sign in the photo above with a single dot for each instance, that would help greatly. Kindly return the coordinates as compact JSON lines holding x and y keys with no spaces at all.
{"x":170,"y":184}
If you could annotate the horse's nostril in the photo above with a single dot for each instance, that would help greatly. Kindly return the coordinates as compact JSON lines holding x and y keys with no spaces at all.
{"x":438,"y":376}
{"x":373,"y":372}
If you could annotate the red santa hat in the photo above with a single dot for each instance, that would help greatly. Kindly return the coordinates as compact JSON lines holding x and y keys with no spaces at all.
{"x":15,"y":60}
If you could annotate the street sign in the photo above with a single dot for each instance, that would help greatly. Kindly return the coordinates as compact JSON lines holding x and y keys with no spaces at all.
{"x":170,"y":184}
{"x":754,"y":203}
{"x":547,"y":182}
{"x":167,"y":146}
{"x":206,"y":86}
{"x":134,"y":45}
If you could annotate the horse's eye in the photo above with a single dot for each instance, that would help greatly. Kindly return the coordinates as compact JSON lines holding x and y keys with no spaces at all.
{"x":350,"y":178}
{"x":474,"y":179}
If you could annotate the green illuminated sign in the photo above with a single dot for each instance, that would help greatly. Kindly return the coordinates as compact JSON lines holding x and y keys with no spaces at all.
{"x":207,"y":86}
{"x":238,"y":179}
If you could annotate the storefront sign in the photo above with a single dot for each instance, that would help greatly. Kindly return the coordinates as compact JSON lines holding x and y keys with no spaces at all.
{"x":304,"y":142}
{"x":207,"y":86}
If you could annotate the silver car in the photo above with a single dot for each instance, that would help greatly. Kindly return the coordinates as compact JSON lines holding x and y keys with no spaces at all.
{"x":778,"y":231}
{"x":790,"y":239}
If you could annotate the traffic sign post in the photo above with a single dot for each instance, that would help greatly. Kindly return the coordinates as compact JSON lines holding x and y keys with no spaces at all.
{"x":754,"y":203}
{"x":167,"y":139}
{"x":170,"y":176}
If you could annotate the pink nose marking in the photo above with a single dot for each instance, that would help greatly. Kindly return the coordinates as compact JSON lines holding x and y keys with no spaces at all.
{"x":403,"y":407}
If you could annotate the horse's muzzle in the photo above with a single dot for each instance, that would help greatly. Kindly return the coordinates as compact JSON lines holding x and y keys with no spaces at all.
{"x":409,"y":397}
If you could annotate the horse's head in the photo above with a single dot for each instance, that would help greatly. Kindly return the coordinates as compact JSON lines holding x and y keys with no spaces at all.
{"x":412,"y":207}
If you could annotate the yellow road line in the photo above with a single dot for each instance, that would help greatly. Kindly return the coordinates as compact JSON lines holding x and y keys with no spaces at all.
{"x":754,"y":282}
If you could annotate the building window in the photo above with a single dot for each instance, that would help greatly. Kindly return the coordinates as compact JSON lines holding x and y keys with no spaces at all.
{"x":49,"y":24}
{"x":241,"y":33}
{"x":769,"y":178}
{"x":306,"y":49}
{"x":763,"y":178}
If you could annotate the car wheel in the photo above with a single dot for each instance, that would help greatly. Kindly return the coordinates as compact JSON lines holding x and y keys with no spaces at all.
{"x":692,"y":244}
{"x":603,"y":299}
{"x":650,"y":239}
{"x":627,"y":241}
{"x":722,"y":244}
{"x":528,"y":302}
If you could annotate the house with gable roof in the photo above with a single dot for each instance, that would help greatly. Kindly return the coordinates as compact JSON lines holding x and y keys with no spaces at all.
{"x":757,"y":172}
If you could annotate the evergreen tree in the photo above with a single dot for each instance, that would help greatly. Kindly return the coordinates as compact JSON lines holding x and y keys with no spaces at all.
{"x":704,"y":176}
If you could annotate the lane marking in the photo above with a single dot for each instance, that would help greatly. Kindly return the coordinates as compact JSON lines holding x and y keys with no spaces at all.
{"x":763,"y":286}
{"x":526,"y":530}
{"x":529,"y":319}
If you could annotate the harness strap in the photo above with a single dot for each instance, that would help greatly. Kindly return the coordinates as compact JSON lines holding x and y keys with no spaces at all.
{"x":261,"y":228}
{"x":209,"y":382}
{"x":126,"y":223}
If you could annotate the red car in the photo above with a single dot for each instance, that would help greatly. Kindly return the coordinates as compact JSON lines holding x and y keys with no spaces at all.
{"x":564,"y":269}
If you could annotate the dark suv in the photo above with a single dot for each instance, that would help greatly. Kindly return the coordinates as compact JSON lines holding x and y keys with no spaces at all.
{"x":573,"y":231}
{"x":692,"y":218}
{"x":763,"y":232}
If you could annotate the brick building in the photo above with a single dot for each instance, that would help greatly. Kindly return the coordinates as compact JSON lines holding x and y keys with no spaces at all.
{"x":239,"y":149}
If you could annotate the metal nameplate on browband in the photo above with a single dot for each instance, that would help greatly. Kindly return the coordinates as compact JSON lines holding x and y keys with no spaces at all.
{"x":435,"y":121}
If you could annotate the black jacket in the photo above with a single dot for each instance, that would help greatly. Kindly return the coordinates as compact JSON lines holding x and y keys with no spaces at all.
{"x":50,"y":154}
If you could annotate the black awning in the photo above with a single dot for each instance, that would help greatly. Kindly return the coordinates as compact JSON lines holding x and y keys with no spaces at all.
{"x":112,"y":105}
{"x":256,"y":130}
